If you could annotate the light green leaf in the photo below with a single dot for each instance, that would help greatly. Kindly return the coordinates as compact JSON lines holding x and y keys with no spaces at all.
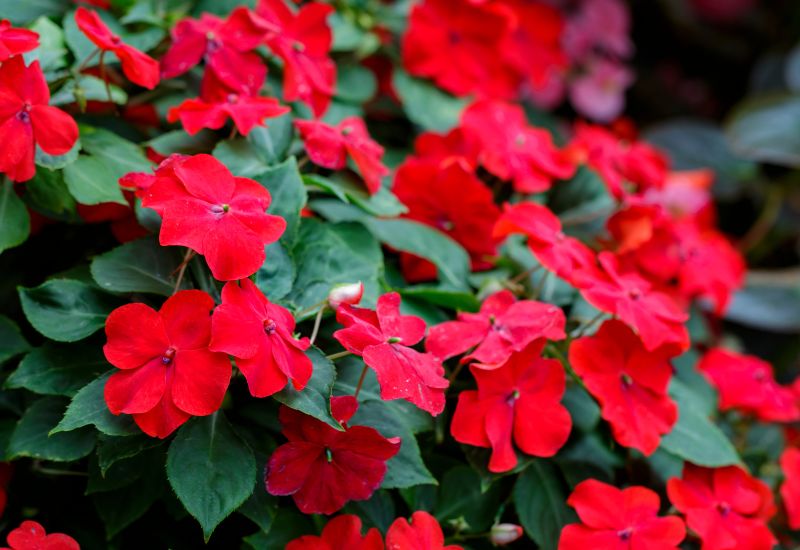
{"x":427,"y":105}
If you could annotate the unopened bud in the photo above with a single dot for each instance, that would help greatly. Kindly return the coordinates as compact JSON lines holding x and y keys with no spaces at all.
{"x":504,"y":533}
{"x":345,"y":294}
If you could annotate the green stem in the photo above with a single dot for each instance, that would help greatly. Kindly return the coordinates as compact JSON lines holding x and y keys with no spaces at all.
{"x":317,"y":322}
{"x":360,"y":381}
{"x":335,"y":356}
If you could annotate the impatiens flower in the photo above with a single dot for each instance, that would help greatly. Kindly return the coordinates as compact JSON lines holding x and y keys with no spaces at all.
{"x":345,"y":294}
{"x":599,"y":93}
{"x":167,"y":373}
{"x":519,"y":401}
{"x":557,"y":252}
{"x":505,"y":533}
{"x":452,"y":199}
{"x":790,"y":488}
{"x":30,"y":535}
{"x":323,"y":468}
{"x":303,"y":41}
{"x":629,"y":382}
{"x":454,"y":146}
{"x":599,"y":25}
{"x":654,"y":316}
{"x":220,"y":216}
{"x":225,"y":45}
{"x":423,"y":532}
{"x":26,"y":120}
{"x":341,"y":533}
{"x":329,"y":146}
{"x":259,"y":335}
{"x":512,"y":150}
{"x":457,"y":43}
{"x":217,"y":103}
{"x":382,"y":337}
{"x":726,"y":507}
{"x":6,"y":468}
{"x":619,"y":519}
{"x":139,"y":67}
{"x":746,"y":383}
{"x":502,"y":326}
{"x":15,"y":41}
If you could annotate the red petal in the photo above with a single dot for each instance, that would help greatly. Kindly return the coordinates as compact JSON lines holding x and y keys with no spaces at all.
{"x":200,"y":381}
{"x":161,"y":420}
{"x":54,"y":130}
{"x":137,"y":390}
{"x":187,"y":319}
{"x":139,"y":67}
{"x":135,"y":336}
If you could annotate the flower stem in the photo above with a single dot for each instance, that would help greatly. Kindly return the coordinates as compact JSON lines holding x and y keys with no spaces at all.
{"x":182,"y":268}
{"x":360,"y":381}
{"x":335,"y":356}
{"x":317,"y":322}
{"x":88,"y":60}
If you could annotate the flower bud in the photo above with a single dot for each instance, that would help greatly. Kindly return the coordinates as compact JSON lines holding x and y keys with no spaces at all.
{"x":504,"y":533}
{"x":345,"y":294}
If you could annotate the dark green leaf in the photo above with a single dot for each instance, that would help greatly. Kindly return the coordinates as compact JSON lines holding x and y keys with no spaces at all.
{"x":31,"y":439}
{"x":461,"y":497}
{"x":91,"y":180}
{"x":288,"y":194}
{"x":58,"y":369}
{"x":48,"y":194}
{"x":541,"y":504}
{"x":427,"y":105}
{"x":12,"y":342}
{"x":383,"y":203}
{"x":314,"y":399}
{"x":15,"y":223}
{"x":88,"y":408}
{"x":178,"y":141}
{"x":88,"y":88}
{"x":52,"y":51}
{"x":355,"y":84}
{"x":121,"y":155}
{"x":264,"y":146}
{"x":276,"y":276}
{"x":773,"y":308}
{"x":453,"y":299}
{"x":582,"y":409}
{"x":57,"y":162}
{"x":138,"y":266}
{"x":767,"y":129}
{"x":111,"y":450}
{"x":288,"y":525}
{"x":121,"y":507}
{"x":21,"y":12}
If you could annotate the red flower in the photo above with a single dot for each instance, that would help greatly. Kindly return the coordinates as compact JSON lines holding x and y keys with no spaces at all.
{"x":303,"y":41}
{"x":323,"y":468}
{"x":630,"y":383}
{"x":259,"y":335}
{"x":512,"y":150}
{"x":30,"y":535}
{"x":6,"y":469}
{"x":619,"y":518}
{"x":557,"y":252}
{"x":457,"y":43}
{"x":790,"y":488}
{"x":220,"y":216}
{"x":520,"y":400}
{"x":14,"y":41}
{"x":329,"y":146}
{"x":139,"y":67}
{"x":453,"y":200}
{"x":26,"y":120}
{"x":746,"y":383}
{"x":224,"y":44}
{"x":218,"y":102}
{"x":654,"y":316}
{"x":454,"y":146}
{"x":502,"y":326}
{"x":726,"y":507}
{"x":167,"y":371}
{"x":340,"y":533}
{"x":350,"y":294}
{"x":423,"y":532}
{"x":382,"y":338}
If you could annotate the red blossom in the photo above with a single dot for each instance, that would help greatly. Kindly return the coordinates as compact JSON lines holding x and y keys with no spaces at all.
{"x":30,"y":535}
{"x":455,"y":146}
{"x":259,"y":334}
{"x":423,"y":532}
{"x":26,"y":120}
{"x":139,"y":67}
{"x":329,"y":146}
{"x":349,"y":294}
{"x":220,"y":216}
{"x":790,"y":488}
{"x":512,"y":150}
{"x":619,"y":519}
{"x":225,"y":45}
{"x":6,"y":469}
{"x":323,"y":468}
{"x":303,"y":41}
{"x":454,"y":201}
{"x":746,"y":383}
{"x":167,"y":373}
{"x":654,"y":316}
{"x":502,"y":326}
{"x":15,"y":41}
{"x":382,"y":337}
{"x":726,"y":507}
{"x":556,"y":251}
{"x":629,"y":382}
{"x":341,"y":533}
{"x":218,"y":102}
{"x":520,"y":401}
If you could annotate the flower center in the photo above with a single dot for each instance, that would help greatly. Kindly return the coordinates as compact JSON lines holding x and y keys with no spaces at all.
{"x":298,"y":46}
{"x":627,"y":381}
{"x":213,"y":43}
{"x":759,"y":376}
{"x":444,"y":224}
{"x":270,"y":327}
{"x":512,"y":397}
{"x":233,"y":98}
{"x":328,"y":454}
{"x":634,"y":293}
{"x":625,"y":534}
{"x":723,"y":508}
{"x":519,"y":140}
{"x":220,"y":209}
{"x":394,"y":340}
{"x":560,"y":236}
{"x":168,"y":356}
{"x":25,"y":114}
{"x":115,"y":39}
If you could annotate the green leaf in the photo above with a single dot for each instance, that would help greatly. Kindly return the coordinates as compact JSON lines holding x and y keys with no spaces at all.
{"x":65,"y":310}
{"x":582,"y":408}
{"x":178,"y":141}
{"x":355,"y":84}
{"x":15,"y":223}
{"x":383,"y":203}
{"x":48,"y":194}
{"x":31,"y":439}
{"x":264,"y":146}
{"x":138,"y":266}
{"x":276,"y":276}
{"x":315,"y":399}
{"x":21,"y":12}
{"x":583,"y":203}
{"x":328,"y":254}
{"x":288,"y":525}
{"x":288,"y":194}
{"x":91,"y":180}
{"x":694,"y":437}
{"x":461,"y":497}
{"x":453,"y":299}
{"x":541,"y":504}
{"x":427,"y":105}
{"x":58,"y":369}
{"x":767,"y":129}
{"x":211,"y":470}
{"x":88,"y":88}
{"x":57,"y":162}
{"x":52,"y":51}
{"x":118,"y":153}
{"x":770,"y":307}
{"x":88,"y":408}
{"x":12,"y":342}
{"x":111,"y":450}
